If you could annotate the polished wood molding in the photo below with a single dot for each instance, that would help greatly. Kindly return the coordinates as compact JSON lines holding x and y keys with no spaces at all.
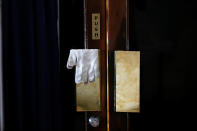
{"x":90,"y":7}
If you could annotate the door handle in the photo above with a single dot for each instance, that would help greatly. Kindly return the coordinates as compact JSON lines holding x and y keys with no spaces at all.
{"x":94,"y":121}
{"x":87,"y":78}
{"x":127,"y":83}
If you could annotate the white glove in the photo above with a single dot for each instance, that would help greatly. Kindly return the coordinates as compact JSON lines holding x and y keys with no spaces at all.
{"x":86,"y":62}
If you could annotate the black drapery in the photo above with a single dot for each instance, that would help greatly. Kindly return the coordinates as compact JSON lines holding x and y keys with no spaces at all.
{"x":30,"y":46}
{"x":165,"y":33}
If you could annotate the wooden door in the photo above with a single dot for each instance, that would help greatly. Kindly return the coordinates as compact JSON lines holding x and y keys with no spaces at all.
{"x":114,"y":35}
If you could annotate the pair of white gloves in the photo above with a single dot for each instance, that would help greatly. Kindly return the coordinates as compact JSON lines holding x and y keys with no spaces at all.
{"x":86,"y":62}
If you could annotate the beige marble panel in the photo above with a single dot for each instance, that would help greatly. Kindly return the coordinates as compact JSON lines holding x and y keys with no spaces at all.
{"x":127,"y":81}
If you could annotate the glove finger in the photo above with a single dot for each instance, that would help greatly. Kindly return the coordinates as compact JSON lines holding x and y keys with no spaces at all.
{"x":97,"y":71}
{"x":97,"y":67}
{"x":86,"y":64}
{"x":91,"y":74}
{"x":72,"y":59}
{"x":78,"y":74}
{"x":79,"y":67}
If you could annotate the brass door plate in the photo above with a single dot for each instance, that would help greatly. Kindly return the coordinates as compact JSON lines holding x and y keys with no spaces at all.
{"x":88,"y":95}
{"x":96,"y":26}
{"x":127,"y":93}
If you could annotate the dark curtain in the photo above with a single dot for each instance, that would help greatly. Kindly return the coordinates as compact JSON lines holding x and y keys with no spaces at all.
{"x":31,"y":65}
{"x":71,"y":37}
